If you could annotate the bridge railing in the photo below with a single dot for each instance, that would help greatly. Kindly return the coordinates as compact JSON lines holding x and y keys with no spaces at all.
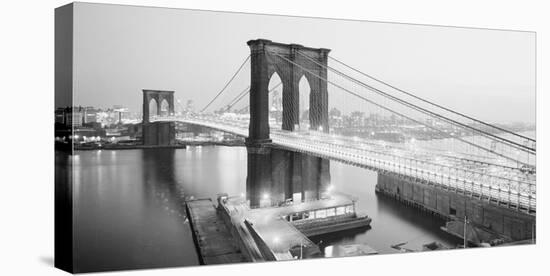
{"x":493,"y":188}
{"x":517,"y":193}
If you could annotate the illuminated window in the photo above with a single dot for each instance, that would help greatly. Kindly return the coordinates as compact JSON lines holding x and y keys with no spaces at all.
{"x":340,"y":210}
{"x":349,"y":209}
{"x":321,"y":214}
{"x":331,"y":212}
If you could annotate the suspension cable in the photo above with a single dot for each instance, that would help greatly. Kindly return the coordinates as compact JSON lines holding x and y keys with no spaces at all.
{"x":432,"y":103}
{"x":393,"y":111}
{"x":423,"y":110}
{"x":238,"y":98}
{"x":227,"y":84}
{"x":271,"y":90}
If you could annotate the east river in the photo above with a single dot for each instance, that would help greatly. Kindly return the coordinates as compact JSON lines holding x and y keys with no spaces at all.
{"x":129,"y":206}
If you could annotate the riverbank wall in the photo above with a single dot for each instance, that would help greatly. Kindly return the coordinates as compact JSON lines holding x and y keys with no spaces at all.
{"x":487,"y":218}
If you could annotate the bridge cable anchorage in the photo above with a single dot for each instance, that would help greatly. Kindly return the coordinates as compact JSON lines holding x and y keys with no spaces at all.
{"x":425,"y":111}
{"x":433,"y":103}
{"x":393,"y":111}
{"x":227,"y":84}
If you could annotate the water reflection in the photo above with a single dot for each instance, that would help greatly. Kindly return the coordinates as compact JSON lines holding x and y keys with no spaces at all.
{"x":392,"y":222}
{"x":129,"y":206}
{"x":128,"y":213}
{"x":160,"y":184}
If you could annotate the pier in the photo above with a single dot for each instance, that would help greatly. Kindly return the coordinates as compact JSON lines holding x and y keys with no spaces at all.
{"x":273,"y":235}
{"x":235,"y":232}
{"x":210,"y":234}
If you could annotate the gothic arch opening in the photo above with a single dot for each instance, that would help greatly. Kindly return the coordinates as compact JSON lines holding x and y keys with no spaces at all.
{"x":164,"y":108}
{"x":305,"y":100}
{"x":153,"y":108}
{"x":275,"y":90}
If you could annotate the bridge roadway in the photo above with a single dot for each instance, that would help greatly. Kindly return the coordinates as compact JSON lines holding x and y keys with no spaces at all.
{"x":492,"y":181}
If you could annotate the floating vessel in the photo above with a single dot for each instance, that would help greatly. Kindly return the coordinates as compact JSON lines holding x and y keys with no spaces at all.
{"x":330,"y":218}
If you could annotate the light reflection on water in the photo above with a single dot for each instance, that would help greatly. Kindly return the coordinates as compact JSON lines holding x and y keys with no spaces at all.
{"x":129,"y":206}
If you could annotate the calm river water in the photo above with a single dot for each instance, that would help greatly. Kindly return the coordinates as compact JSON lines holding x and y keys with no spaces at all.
{"x":129,"y":211}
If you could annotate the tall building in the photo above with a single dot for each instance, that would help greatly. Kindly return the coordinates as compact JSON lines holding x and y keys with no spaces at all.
{"x":73,"y":116}
{"x":90,"y":115}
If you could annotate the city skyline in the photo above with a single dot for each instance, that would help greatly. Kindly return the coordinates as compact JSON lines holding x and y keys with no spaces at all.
{"x":491,"y":67}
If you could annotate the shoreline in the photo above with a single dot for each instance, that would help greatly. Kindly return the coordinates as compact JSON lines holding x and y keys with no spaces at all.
{"x":178,"y":146}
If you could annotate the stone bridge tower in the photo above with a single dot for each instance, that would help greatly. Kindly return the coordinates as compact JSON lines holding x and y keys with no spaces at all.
{"x":275,"y":175}
{"x":158,"y":133}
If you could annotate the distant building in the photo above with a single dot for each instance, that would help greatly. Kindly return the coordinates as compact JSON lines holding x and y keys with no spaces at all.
{"x":276,"y":102}
{"x":393,"y":119}
{"x":109,"y":117}
{"x":74,"y":118}
{"x":121,"y":113}
{"x":190,"y":107}
{"x":69,"y":116}
{"x":185,"y":135}
{"x":60,"y":115}
{"x":90,"y":114}
{"x":335,"y":113}
{"x":430,"y":122}
{"x":356,"y":118}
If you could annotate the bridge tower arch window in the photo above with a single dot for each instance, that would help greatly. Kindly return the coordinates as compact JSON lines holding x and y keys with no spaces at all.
{"x":164,"y":109}
{"x":305,"y":102}
{"x":153,"y":108}
{"x":160,"y":97}
{"x":268,"y":57}
{"x":275,"y":101}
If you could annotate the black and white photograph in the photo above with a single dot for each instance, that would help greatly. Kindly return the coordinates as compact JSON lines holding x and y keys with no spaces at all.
{"x":200,"y":138}
{"x":187,"y":137}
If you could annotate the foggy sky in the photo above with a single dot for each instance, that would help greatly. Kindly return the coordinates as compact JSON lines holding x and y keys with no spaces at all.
{"x":120,"y":50}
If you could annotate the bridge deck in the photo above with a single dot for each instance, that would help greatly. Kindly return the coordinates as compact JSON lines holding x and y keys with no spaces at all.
{"x":494,"y":181}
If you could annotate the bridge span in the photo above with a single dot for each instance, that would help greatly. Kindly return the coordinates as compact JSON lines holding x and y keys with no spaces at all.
{"x":499,"y":184}
{"x":290,"y":139}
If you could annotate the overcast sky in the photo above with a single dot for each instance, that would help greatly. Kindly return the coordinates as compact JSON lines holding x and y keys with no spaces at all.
{"x":120,"y":50}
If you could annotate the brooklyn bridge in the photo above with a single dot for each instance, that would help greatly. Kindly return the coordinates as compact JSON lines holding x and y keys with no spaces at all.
{"x":473,"y":168}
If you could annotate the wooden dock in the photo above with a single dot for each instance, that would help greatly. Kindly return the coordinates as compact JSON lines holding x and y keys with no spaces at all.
{"x":212,"y":239}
